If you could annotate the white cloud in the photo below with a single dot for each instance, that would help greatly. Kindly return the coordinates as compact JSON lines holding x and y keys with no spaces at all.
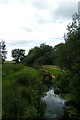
{"x":34,"y":22}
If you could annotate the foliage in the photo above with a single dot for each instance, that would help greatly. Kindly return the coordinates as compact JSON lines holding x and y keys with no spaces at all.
{"x":62,"y":82}
{"x":47,"y":78}
{"x":72,"y":110}
{"x":3,"y":51}
{"x":39,"y":55}
{"x":72,"y":46}
{"x":75,"y":88}
{"x":60,"y":54}
{"x":53,"y":70}
{"x":68,"y":58}
{"x":22,"y":93}
{"x":18,"y":55}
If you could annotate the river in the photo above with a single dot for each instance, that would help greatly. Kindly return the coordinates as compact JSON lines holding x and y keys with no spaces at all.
{"x":54,"y":105}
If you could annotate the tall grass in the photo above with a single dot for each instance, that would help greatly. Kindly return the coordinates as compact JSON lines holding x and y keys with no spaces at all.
{"x":21,"y":89}
{"x":8,"y":68}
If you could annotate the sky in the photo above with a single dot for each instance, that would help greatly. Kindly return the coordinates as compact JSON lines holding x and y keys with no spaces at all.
{"x":25,"y":24}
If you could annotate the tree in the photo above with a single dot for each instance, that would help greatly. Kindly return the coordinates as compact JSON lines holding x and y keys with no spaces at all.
{"x":72,"y":58}
{"x":39,"y":55}
{"x":59,"y":53}
{"x":18,"y":55}
{"x":72,"y":45}
{"x":3,"y":51}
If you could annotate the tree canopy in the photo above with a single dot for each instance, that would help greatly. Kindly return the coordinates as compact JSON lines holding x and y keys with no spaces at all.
{"x":40,"y":55}
{"x":68,"y":57}
{"x":18,"y":55}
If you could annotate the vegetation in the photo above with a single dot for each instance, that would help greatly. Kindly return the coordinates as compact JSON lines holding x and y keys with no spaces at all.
{"x":68,"y":58}
{"x":25,"y":83}
{"x":22,"y":92}
{"x":18,"y":55}
{"x":53,"y":70}
{"x":39,"y":56}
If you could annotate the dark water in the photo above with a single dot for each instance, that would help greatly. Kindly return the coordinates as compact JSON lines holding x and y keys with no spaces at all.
{"x":54,"y":105}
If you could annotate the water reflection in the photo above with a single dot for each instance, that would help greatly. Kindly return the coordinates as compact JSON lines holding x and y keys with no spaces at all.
{"x":54,"y":105}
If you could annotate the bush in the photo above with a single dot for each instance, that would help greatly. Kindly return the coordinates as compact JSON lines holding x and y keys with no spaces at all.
{"x":62,"y":82}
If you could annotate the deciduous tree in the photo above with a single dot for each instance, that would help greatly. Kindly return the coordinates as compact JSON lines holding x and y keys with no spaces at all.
{"x":18,"y":55}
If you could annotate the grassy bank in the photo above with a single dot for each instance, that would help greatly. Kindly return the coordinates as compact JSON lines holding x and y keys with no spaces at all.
{"x":53,"y":70}
{"x":22,"y":91}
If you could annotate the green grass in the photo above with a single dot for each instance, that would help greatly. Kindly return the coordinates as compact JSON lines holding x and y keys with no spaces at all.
{"x":10,"y":72}
{"x":20,"y":85}
{"x":53,"y":70}
{"x":14,"y":69}
{"x":8,"y":68}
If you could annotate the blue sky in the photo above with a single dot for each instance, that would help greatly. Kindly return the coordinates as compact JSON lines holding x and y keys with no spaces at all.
{"x":28,"y":23}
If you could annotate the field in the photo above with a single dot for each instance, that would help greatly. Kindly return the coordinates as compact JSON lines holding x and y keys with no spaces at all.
{"x":55,"y":71}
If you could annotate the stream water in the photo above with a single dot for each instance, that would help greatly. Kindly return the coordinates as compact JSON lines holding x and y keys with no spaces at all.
{"x":54,"y":105}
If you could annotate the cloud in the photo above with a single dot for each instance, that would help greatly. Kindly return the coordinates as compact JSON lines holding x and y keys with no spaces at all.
{"x":41,"y":17}
{"x":64,"y":10}
{"x":35,"y":22}
{"x":26,"y":29}
{"x":13,"y":1}
{"x":19,"y":42}
{"x":40,"y":4}
{"x":50,"y":12}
